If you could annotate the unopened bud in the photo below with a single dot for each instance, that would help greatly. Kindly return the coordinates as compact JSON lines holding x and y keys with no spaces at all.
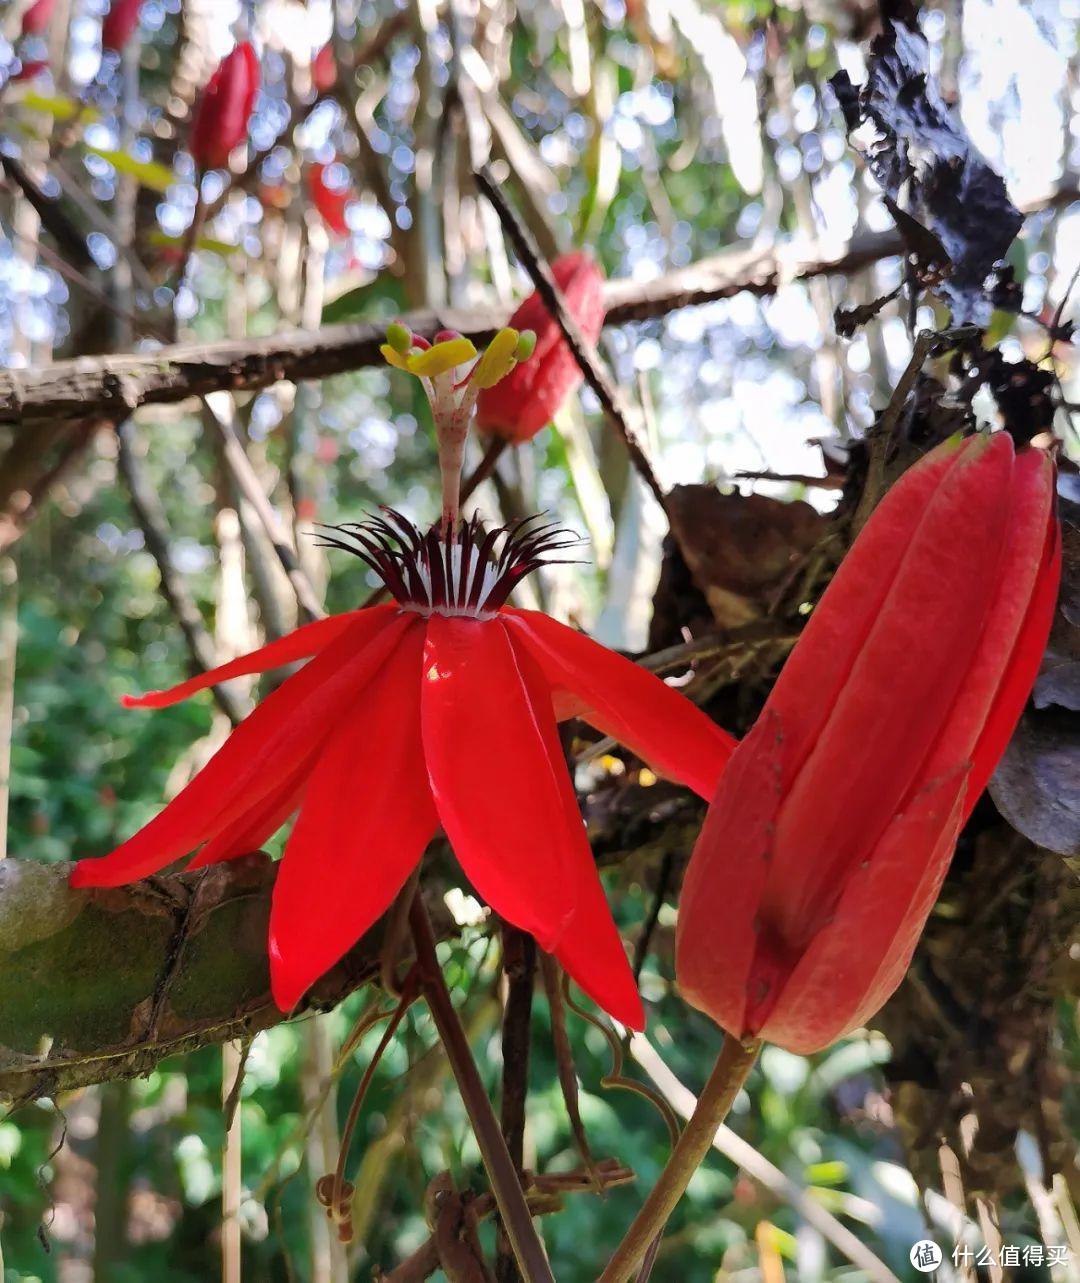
{"x":526,"y":345}
{"x":399,"y":337}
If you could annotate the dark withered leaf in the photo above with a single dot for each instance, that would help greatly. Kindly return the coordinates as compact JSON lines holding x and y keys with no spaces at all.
{"x":1037,"y":783}
{"x":1004,"y":291}
{"x":740,"y":549}
{"x":848,"y":319}
{"x":1022,"y":392}
{"x":927,"y":254}
{"x":930,"y":170}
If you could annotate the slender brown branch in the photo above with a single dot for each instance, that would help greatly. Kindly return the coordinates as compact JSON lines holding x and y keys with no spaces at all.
{"x":881,"y":437}
{"x":504,"y":1178}
{"x":564,"y":1057}
{"x":238,"y":463}
{"x":519,"y":967}
{"x":150,"y":516}
{"x":592,"y":366}
{"x":730,"y":1072}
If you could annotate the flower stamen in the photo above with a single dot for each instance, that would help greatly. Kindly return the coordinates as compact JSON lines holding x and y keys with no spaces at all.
{"x":451,"y":393}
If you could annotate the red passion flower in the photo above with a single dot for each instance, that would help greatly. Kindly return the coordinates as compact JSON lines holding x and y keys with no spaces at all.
{"x":440,"y":709}
{"x":831,"y":832}
{"x":528,"y":399}
{"x":224,"y":108}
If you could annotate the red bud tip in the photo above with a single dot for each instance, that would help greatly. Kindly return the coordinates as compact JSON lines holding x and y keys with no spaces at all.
{"x":119,"y":24}
{"x":37,"y":18}
{"x":224,"y":108}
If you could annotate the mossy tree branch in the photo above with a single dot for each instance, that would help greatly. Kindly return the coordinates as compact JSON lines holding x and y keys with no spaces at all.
{"x":102,"y":984}
{"x":97,"y":985}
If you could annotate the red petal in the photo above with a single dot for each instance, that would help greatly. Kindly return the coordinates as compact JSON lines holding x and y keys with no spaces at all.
{"x":302,"y":643}
{"x":1023,"y":664}
{"x":856,"y":962}
{"x":366,"y":818}
{"x":626,"y":702}
{"x":816,"y":670}
{"x":717,"y":932}
{"x":894,"y":705}
{"x":591,"y":950}
{"x":495,"y":786}
{"x":252,"y":829}
{"x":259,"y":756}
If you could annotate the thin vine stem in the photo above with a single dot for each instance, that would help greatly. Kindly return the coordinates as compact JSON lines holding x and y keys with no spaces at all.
{"x":730,"y":1072}
{"x":505,"y":1183}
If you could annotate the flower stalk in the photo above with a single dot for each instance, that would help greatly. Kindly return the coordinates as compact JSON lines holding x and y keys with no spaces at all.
{"x":730,"y":1072}
{"x":452,"y":386}
{"x":505,"y":1183}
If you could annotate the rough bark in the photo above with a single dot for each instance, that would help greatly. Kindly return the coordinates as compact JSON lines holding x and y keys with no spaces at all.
{"x":113,"y":386}
{"x":102,"y":984}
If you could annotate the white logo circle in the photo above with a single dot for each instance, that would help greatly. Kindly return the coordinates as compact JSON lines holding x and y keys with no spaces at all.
{"x":925,"y":1255}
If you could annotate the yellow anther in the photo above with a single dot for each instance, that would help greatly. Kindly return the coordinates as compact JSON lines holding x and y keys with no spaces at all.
{"x":393,"y":357}
{"x":499,"y":359}
{"x":440,"y":358}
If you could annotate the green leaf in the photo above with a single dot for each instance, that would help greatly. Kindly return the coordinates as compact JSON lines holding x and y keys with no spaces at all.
{"x":224,"y":248}
{"x":149,"y":173}
{"x":359,"y":303}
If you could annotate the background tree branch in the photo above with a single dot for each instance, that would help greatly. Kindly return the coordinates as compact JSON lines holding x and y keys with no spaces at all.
{"x":102,"y":984}
{"x":117,"y":385}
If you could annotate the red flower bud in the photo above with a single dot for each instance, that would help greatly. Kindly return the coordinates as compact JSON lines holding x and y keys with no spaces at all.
{"x":528,"y":398}
{"x":37,"y":18}
{"x":119,"y":24}
{"x":830,"y":833}
{"x":31,"y":70}
{"x":224,"y":109}
{"x":324,"y":69}
{"x":331,"y":202}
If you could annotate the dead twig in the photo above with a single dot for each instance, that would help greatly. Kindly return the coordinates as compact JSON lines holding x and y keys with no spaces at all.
{"x":592,"y":367}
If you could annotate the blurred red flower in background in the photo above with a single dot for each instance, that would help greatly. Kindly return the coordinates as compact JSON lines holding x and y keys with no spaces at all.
{"x":31,"y":70}
{"x":119,"y":24}
{"x":528,"y":399}
{"x":224,"y":108}
{"x":36,"y":19}
{"x":830,"y":835}
{"x":324,"y":70}
{"x":331,"y":202}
